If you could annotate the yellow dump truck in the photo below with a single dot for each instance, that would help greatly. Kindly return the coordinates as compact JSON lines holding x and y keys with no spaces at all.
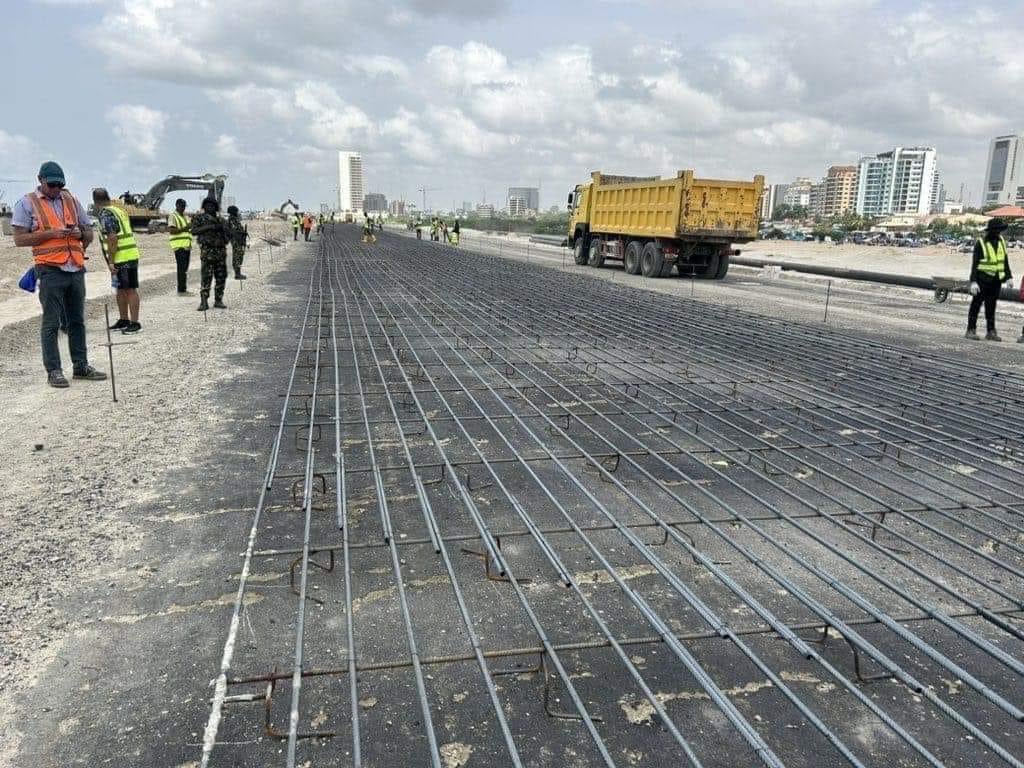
{"x":653,"y":224}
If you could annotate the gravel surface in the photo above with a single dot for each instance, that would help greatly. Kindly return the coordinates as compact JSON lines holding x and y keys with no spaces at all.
{"x":76,"y":465}
{"x":157,"y":261}
{"x":115,"y":622}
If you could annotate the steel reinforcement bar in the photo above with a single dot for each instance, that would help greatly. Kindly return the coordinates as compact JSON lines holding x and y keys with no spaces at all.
{"x":554,"y":419}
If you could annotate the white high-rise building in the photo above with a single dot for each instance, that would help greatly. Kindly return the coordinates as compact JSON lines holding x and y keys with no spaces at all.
{"x":798,"y":193}
{"x":898,"y":182}
{"x":350,"y":182}
{"x":1004,"y":174}
{"x":516,"y":206}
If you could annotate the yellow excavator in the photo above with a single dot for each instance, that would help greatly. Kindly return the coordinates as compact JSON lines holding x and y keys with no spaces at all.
{"x":281,"y":213}
{"x":144,"y":209}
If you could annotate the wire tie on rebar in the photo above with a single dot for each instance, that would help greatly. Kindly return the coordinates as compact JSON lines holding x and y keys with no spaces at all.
{"x":489,"y":562}
{"x":295,"y":563}
{"x":304,"y":429}
{"x":405,"y":428}
{"x":548,"y":710}
{"x":467,"y":480}
{"x":270,"y":730}
{"x":437,"y":480}
{"x":298,"y":490}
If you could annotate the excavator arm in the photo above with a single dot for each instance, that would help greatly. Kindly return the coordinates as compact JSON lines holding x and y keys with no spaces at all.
{"x":214,"y":186}
{"x":286,"y":203}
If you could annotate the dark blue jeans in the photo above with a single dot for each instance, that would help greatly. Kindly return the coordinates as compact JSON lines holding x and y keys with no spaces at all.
{"x":62,"y":294}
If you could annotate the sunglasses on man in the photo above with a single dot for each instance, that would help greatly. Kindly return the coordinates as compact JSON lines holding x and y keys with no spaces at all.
{"x":55,"y":184}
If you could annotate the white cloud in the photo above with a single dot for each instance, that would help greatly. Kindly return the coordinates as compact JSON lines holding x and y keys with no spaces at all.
{"x":460,"y":133}
{"x":333,"y":122}
{"x":405,"y":129}
{"x":139,"y":130}
{"x":16,"y":151}
{"x":459,"y":8}
{"x":760,"y":94}
{"x":253,"y":103}
{"x":376,"y":66}
{"x":472,"y":64}
{"x":226,"y":148}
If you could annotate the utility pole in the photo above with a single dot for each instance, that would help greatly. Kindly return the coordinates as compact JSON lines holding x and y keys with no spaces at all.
{"x":424,"y":190}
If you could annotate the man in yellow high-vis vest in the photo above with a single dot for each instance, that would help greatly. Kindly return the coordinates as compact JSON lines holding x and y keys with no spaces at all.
{"x":990,"y":268}
{"x":180,"y":241}
{"x":120,"y":251}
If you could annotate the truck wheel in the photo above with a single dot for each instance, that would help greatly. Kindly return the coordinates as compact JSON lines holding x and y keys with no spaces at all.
{"x":723,"y":266}
{"x":652,"y":260}
{"x":711,"y":270}
{"x":579,"y":254}
{"x":596,"y":257}
{"x":631,"y":259}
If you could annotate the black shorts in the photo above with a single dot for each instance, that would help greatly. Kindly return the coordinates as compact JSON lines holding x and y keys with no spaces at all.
{"x":127,"y":274}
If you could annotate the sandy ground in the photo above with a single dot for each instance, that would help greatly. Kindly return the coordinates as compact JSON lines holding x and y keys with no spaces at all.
{"x":75,"y":464}
{"x":930,"y":261}
{"x":157,"y":262}
{"x":116,"y":583}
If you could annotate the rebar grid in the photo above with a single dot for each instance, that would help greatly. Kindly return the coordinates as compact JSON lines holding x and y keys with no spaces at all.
{"x":856,"y":487}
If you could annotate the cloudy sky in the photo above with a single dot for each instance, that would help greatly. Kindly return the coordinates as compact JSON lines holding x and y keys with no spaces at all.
{"x":472,"y":96}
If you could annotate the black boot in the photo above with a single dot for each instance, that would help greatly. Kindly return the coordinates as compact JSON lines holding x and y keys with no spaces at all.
{"x":203,"y":306}
{"x":218,"y":303}
{"x":239,"y":275}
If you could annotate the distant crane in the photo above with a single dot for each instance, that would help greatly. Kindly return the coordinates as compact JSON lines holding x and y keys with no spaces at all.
{"x":424,"y":190}
{"x":3,"y":192}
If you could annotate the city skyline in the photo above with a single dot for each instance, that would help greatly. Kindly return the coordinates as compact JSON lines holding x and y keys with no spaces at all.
{"x":199,"y":98}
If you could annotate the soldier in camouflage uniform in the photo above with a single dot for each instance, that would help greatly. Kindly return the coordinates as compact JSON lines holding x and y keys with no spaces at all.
{"x":238,"y":235}
{"x":211,"y":232}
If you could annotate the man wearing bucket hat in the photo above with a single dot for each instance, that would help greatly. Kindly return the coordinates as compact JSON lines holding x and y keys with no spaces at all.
{"x":990,"y":268}
{"x":52,"y":222}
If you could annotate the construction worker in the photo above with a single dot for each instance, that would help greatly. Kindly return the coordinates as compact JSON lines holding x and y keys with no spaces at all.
{"x":238,"y":235}
{"x":181,"y":243}
{"x":307,"y":225}
{"x":380,"y":223}
{"x":455,"y":234}
{"x":368,"y":236}
{"x":211,"y":232}
{"x":296,"y":224}
{"x":320,"y":223}
{"x":989,"y":270}
{"x":52,"y":222}
{"x":120,"y":251}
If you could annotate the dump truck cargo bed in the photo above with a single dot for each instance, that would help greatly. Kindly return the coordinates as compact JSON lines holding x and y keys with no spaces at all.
{"x":660,"y":226}
{"x":684,"y":208}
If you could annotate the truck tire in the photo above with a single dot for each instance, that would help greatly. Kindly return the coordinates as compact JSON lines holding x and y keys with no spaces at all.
{"x":651,"y":260}
{"x":723,"y":266}
{"x":579,"y":253}
{"x":596,"y":257}
{"x":631,"y":258}
{"x":709,"y":271}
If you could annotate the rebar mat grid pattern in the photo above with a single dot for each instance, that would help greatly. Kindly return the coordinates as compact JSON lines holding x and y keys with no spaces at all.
{"x":532,"y":518}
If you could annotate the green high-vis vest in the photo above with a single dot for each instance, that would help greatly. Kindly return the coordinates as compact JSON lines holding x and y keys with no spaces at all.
{"x":127,"y":250}
{"x":181,"y":240}
{"x":993,"y":258}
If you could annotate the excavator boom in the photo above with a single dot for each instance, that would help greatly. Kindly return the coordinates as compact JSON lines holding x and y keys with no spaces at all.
{"x":144,"y":210}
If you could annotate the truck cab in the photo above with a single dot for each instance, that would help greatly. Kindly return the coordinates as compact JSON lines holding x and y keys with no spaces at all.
{"x":579,"y":218}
